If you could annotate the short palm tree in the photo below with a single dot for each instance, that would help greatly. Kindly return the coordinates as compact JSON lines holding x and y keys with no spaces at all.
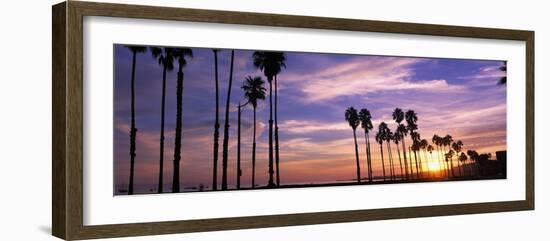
{"x":423,"y":146}
{"x":254,"y":90}
{"x":388,"y":137}
{"x":133,"y":130}
{"x":396,"y":138}
{"x":165,"y":57}
{"x":366,"y":124}
{"x":415,"y":148}
{"x":447,"y":140}
{"x":271,"y":63}
{"x":179,"y":54}
{"x":411,"y":118}
{"x":457,"y":147}
{"x":462,"y":158}
{"x":352,"y":117}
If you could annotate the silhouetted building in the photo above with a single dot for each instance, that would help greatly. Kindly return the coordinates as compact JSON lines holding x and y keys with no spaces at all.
{"x":493,"y":168}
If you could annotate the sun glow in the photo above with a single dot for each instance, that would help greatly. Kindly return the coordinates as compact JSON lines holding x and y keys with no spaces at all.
{"x":434,"y":166}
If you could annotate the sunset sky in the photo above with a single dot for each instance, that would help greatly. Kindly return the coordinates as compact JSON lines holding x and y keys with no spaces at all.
{"x":456,"y":97}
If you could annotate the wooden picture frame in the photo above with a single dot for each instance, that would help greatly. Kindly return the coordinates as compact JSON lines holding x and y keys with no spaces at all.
{"x":67,"y":152}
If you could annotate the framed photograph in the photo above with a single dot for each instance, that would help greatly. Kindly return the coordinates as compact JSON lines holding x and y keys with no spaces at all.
{"x":170,"y":120}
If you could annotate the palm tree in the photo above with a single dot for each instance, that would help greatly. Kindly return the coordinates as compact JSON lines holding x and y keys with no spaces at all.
{"x":271,"y":64}
{"x":216,"y":125}
{"x":430,"y":149}
{"x":133,"y":130}
{"x":239,"y":171}
{"x":438,"y":141}
{"x":447,"y":140}
{"x":165,"y":57}
{"x":226,"y":126}
{"x":457,"y":147}
{"x":473,"y":158}
{"x":396,"y":138}
{"x":253,"y":91}
{"x":398,"y":115}
{"x":388,"y":136}
{"x":415,"y":148}
{"x":449,"y":156}
{"x":423,"y":146}
{"x":411,"y":118}
{"x":179,"y":55}
{"x":353,"y":120}
{"x":380,"y":139}
{"x":503,"y":68}
{"x":366,"y":124}
{"x":462,"y":158}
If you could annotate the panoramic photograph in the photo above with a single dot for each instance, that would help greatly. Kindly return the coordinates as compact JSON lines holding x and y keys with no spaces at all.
{"x":190,"y":119}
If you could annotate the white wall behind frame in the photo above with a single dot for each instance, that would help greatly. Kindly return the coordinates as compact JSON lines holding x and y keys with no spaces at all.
{"x":26,"y":213}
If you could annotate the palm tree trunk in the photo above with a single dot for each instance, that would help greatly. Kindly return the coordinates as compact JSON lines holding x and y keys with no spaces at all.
{"x":161,"y":158}
{"x":270,"y":182}
{"x":369,"y":159}
{"x":416,"y":162}
{"x":226,"y":126}
{"x":133,"y":129}
{"x":400,"y":163}
{"x":276,"y":136}
{"x":357,"y":157}
{"x":383,"y":167}
{"x":177,"y":144}
{"x":392,"y":174}
{"x":254,"y":151}
{"x":410,"y":164}
{"x":239,"y":147}
{"x":216,"y":128}
{"x":405,"y":158}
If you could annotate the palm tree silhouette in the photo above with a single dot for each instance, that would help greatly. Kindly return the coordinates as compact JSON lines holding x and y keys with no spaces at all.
{"x":423,"y":146}
{"x":216,"y":125}
{"x":411,"y":118}
{"x":352,"y":117}
{"x":503,"y":68}
{"x":254,"y":90}
{"x":380,"y":139}
{"x":430,"y":149}
{"x":474,"y":156}
{"x":133,"y":130}
{"x":399,"y":116}
{"x":415,"y":147}
{"x":438,"y":141}
{"x":165,"y":57}
{"x":447,"y":140}
{"x":457,"y":147}
{"x":239,"y":171}
{"x":366,"y":124}
{"x":271,"y":64}
{"x":449,"y":156}
{"x":226,"y":126}
{"x":389,"y":137}
{"x":462,"y":158}
{"x":179,"y":55}
{"x":396,"y":138}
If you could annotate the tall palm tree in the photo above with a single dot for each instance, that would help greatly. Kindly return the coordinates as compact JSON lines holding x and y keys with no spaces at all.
{"x":437,"y":141}
{"x":352,"y":117}
{"x":447,"y":140}
{"x":396,"y":138}
{"x":165,"y":57}
{"x":239,"y":171}
{"x":133,"y":130}
{"x":457,"y":147}
{"x":366,"y":124}
{"x":380,"y":139}
{"x":226,"y":126}
{"x":449,"y":156}
{"x":254,"y":90}
{"x":398,"y":115}
{"x":179,"y":54}
{"x":271,"y":64}
{"x":411,"y":118}
{"x":216,"y":125}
